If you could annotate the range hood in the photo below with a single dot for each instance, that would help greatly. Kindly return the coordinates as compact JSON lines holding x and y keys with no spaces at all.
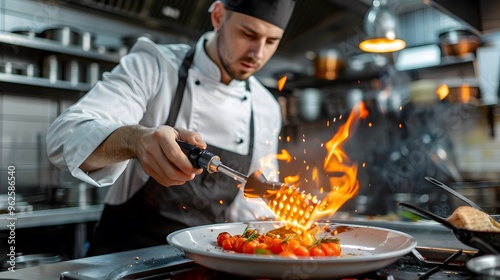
{"x":480,"y":16}
{"x":313,"y":25}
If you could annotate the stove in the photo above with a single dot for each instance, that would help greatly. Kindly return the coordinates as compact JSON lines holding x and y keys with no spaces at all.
{"x":168,"y":263}
{"x":438,"y":255}
{"x":421,"y":263}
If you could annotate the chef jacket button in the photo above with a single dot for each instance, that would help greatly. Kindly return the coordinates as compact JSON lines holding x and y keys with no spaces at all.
{"x":244,"y":98}
{"x":240,"y":141}
{"x":197,"y":82}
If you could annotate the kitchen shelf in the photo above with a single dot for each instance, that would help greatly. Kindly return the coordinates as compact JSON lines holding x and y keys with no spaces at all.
{"x":42,"y":82}
{"x":347,"y":78}
{"x":17,"y":40}
{"x":447,"y":61}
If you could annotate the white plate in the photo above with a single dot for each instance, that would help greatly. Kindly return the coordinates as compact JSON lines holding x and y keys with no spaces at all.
{"x":364,"y":249}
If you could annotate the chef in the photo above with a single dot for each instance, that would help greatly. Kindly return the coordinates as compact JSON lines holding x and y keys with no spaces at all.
{"x":123,"y":132}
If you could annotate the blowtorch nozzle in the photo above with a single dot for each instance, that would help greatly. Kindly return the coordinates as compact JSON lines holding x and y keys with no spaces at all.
{"x":201,"y":158}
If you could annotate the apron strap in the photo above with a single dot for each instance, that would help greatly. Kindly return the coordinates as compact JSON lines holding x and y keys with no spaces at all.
{"x":179,"y":92}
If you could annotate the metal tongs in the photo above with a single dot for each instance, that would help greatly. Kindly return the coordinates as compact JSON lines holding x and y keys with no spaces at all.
{"x":275,"y":194}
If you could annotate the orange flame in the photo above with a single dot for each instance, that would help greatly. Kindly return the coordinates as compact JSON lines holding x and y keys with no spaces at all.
{"x":342,"y":180}
{"x":281,"y":82}
{"x":443,"y":91}
{"x":284,"y":156}
{"x":343,"y":173}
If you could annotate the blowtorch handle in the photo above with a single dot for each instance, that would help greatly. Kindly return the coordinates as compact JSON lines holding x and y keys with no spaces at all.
{"x":199,"y":158}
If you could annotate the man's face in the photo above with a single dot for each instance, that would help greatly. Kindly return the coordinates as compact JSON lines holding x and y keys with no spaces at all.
{"x":245,"y":44}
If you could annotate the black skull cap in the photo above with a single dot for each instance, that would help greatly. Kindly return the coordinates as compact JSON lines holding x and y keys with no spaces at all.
{"x":276,"y":12}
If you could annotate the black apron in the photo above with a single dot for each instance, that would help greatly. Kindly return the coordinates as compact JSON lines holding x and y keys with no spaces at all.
{"x":155,"y":211}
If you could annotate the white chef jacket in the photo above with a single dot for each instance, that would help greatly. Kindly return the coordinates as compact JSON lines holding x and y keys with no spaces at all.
{"x":139,"y":91}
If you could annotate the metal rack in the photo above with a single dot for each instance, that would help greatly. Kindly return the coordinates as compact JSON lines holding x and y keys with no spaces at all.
{"x":17,"y":45}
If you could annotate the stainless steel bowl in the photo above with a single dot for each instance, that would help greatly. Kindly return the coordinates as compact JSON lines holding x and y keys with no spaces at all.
{"x":486,"y":267}
{"x":78,"y":194}
{"x":458,"y":42}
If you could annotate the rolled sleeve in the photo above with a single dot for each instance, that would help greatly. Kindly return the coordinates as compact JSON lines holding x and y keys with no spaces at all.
{"x":82,"y":142}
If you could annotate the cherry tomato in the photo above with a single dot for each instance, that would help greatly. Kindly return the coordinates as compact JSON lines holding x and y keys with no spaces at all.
{"x":249,"y":247}
{"x":262,"y":246}
{"x":290,"y":245}
{"x":316,"y":251}
{"x":238,"y":245}
{"x":288,"y":255}
{"x":335,"y":248}
{"x":276,"y":246}
{"x":228,"y":244}
{"x":265,"y":239}
{"x":301,"y":251}
{"x":326,"y":248}
{"x":222,"y":236}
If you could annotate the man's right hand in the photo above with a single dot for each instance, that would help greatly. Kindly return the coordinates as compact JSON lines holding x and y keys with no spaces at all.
{"x":162,"y":158}
{"x":155,"y":148}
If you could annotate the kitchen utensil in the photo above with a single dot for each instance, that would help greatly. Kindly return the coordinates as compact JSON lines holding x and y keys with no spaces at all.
{"x":485,"y":193}
{"x":310,"y":100}
{"x":256,"y":185}
{"x":51,"y":68}
{"x":440,"y":154}
{"x":488,"y":242}
{"x":6,"y":67}
{"x":453,"y":192}
{"x":29,"y":32}
{"x":458,"y":42}
{"x":74,"y":193}
{"x":31,"y":70}
{"x":364,"y":249}
{"x":65,"y":35}
{"x":328,"y":64}
{"x":88,"y":40}
{"x":24,"y":261}
{"x":486,"y":267}
{"x":463,"y":94}
{"x":72,"y":71}
{"x":93,"y":73}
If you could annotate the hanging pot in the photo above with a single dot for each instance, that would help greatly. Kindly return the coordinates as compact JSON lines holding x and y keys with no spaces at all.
{"x":328,"y":64}
{"x":458,"y":42}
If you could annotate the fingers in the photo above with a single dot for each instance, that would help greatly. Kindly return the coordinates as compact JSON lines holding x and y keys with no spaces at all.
{"x":162,"y":158}
{"x":191,"y":137}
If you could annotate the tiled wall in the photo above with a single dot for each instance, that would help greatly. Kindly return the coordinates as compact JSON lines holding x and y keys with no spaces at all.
{"x":24,"y":123}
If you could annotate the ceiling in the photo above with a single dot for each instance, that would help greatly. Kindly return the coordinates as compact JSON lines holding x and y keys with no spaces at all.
{"x":314,"y":24}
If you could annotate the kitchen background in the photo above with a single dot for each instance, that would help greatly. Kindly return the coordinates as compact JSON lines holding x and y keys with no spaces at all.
{"x":454,"y":140}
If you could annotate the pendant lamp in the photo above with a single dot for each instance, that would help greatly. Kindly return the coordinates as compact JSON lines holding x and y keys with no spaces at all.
{"x":381,"y":26}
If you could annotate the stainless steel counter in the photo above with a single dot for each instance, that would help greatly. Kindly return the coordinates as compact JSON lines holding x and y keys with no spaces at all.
{"x":111,"y":266}
{"x":44,"y":215}
{"x":52,"y":215}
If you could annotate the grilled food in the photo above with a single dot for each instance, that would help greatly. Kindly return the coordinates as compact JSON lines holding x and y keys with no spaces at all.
{"x":470,"y":218}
